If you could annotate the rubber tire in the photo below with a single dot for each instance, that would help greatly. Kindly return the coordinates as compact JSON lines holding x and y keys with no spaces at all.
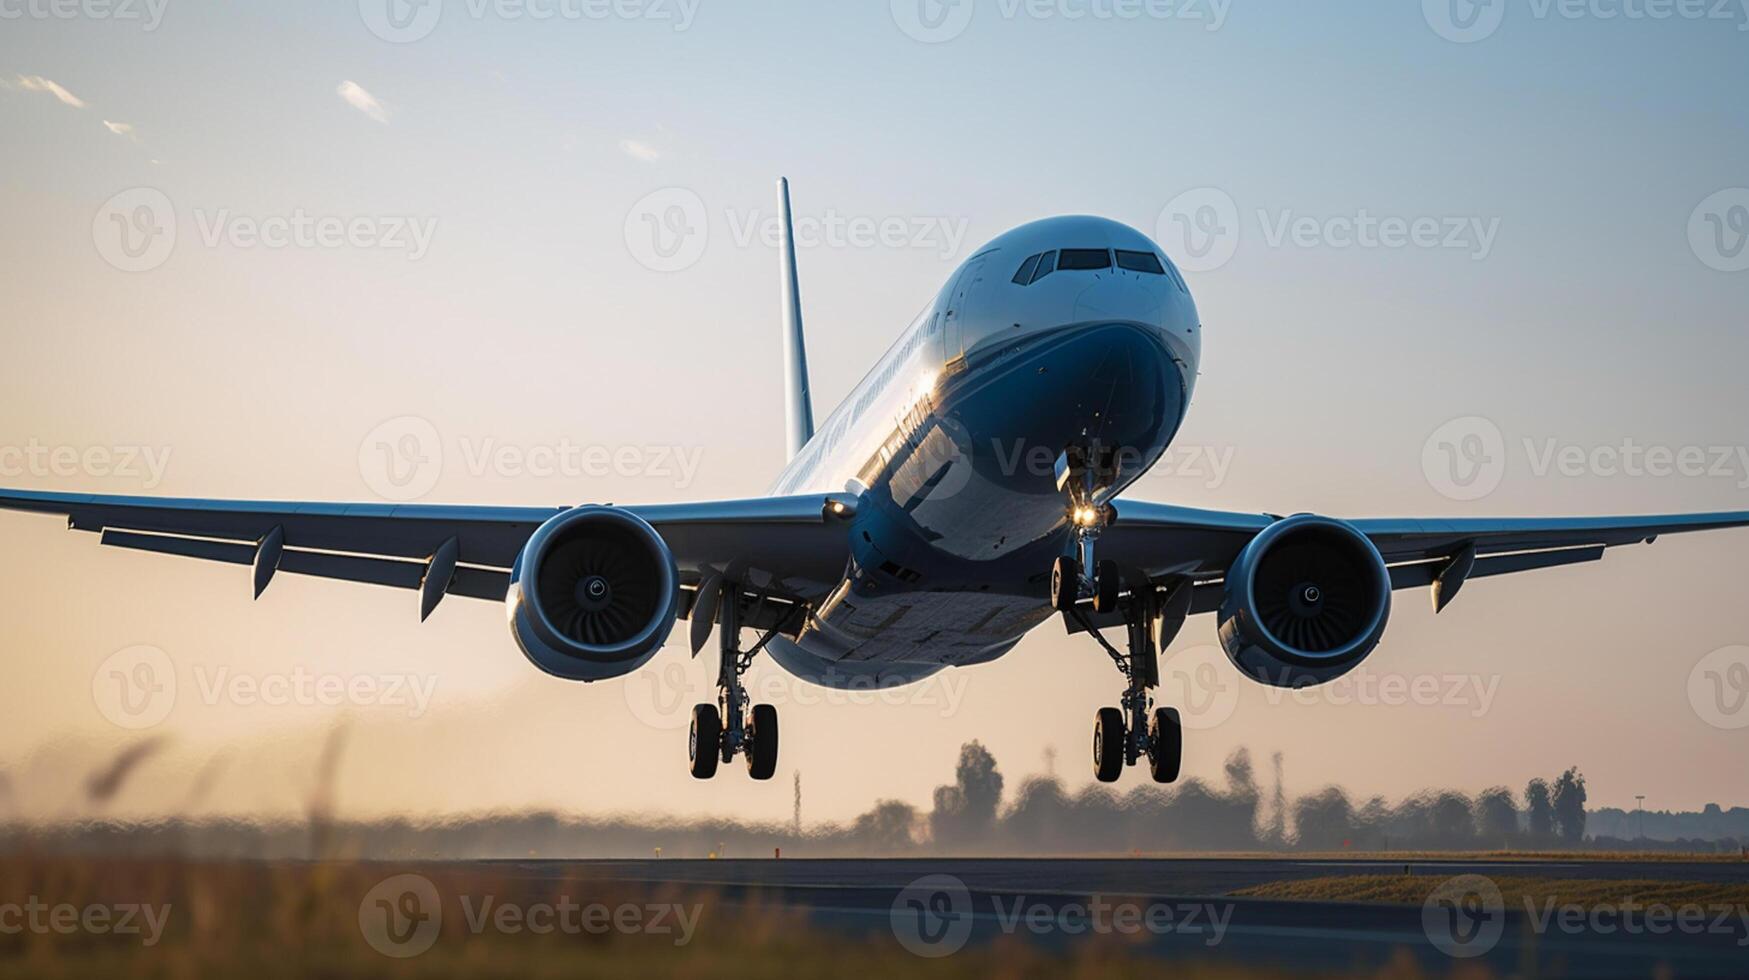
{"x":1065,"y":584}
{"x":1165,"y":745}
{"x":704,"y":743}
{"x":762,"y":742}
{"x":1106,"y":583}
{"x":1108,"y":745}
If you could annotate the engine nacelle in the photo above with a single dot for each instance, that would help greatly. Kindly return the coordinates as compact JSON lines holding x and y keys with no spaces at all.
{"x":594,"y":594}
{"x":1306,"y":601}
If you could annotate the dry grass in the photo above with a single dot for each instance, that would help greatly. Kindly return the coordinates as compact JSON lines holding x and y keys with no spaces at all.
{"x":1414,"y":889}
{"x":265,"y":921}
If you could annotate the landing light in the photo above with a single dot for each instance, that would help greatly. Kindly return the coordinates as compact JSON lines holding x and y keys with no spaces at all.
{"x":1086,"y":516}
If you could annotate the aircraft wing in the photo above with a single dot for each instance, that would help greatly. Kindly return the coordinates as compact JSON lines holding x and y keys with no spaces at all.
{"x":1165,"y":541}
{"x":786,"y":544}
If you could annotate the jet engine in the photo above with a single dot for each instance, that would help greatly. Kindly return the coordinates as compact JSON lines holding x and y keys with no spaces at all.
{"x":594,"y":594}
{"x":1306,"y":601}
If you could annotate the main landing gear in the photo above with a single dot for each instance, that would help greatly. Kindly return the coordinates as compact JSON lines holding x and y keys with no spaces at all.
{"x":721,"y":731}
{"x":1121,"y":736}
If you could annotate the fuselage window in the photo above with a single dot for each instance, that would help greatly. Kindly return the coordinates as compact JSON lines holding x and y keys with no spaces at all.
{"x":1024,"y":276}
{"x":1083,"y":259}
{"x":1140,"y":262}
{"x":1047,"y":263}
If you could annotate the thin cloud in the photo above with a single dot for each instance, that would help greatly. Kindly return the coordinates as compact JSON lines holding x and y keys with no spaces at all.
{"x":37,"y":83}
{"x":363,"y":101}
{"x":640,"y":150}
{"x":122,"y":129}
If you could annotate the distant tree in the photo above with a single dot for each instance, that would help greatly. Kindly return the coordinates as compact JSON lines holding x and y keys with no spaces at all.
{"x":1325,"y":821}
{"x":1453,"y":821}
{"x":1539,"y":812}
{"x":1569,"y":805}
{"x":1496,"y":817}
{"x":966,"y":811}
{"x":887,"y":828}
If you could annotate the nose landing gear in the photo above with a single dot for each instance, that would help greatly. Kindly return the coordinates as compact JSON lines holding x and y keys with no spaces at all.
{"x":1121,"y":736}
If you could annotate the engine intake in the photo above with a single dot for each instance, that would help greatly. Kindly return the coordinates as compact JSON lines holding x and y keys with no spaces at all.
{"x":1306,"y":601}
{"x":594,"y":594}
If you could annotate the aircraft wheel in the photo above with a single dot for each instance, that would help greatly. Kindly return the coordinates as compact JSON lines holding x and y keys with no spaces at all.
{"x":704,"y":743}
{"x":1106,"y":582}
{"x":1108,"y":745}
{"x":1065,"y":584}
{"x":1165,"y":745}
{"x":762,"y":742}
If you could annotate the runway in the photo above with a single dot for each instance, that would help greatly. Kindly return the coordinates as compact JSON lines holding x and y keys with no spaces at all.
{"x":1178,"y":909}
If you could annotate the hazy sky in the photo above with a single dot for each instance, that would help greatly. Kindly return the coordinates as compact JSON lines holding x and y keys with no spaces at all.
{"x":535,"y":247}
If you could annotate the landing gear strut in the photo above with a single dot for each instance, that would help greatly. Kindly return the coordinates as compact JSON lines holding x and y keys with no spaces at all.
{"x":1121,"y":736}
{"x":721,"y":731}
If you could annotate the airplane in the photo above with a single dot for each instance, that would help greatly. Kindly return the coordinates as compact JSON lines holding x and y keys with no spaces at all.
{"x":965,"y":493}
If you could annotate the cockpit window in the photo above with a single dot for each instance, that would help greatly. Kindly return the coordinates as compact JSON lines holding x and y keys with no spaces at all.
{"x":1024,"y":276}
{"x":1177,"y":277}
{"x":1047,"y":263}
{"x":1084,"y":259}
{"x":1140,"y":262}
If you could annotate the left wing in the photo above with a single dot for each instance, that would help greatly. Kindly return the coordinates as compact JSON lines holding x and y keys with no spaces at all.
{"x":1163,"y":541}
{"x":785,"y":544}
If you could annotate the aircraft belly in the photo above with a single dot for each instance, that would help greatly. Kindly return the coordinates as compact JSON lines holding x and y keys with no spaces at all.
{"x":952,"y":628}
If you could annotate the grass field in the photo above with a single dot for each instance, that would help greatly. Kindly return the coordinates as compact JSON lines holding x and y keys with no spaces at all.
{"x":265,"y":921}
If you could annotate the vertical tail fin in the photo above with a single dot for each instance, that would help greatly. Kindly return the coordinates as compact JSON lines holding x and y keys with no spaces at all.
{"x":798,"y":405}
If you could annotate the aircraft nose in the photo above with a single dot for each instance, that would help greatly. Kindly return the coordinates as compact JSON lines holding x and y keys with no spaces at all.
{"x":1116,"y":300}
